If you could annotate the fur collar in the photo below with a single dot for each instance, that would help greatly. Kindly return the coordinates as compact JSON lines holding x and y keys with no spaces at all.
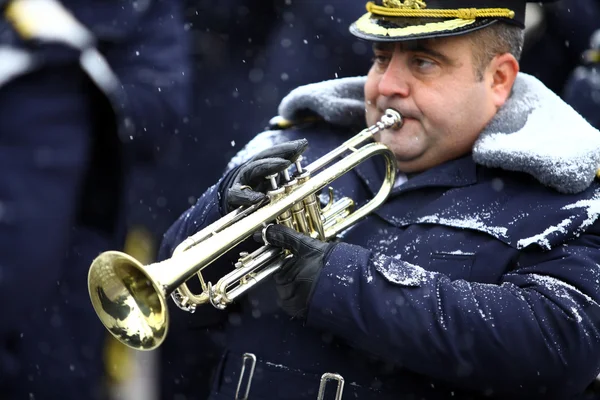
{"x":535,"y":132}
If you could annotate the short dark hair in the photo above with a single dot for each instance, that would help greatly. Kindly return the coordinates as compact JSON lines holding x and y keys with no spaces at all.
{"x":498,"y":38}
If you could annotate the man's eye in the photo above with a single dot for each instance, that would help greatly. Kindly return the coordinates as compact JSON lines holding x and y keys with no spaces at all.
{"x":423,"y":64}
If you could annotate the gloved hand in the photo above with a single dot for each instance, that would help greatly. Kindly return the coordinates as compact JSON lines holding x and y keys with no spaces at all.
{"x":247,"y":184}
{"x":296,"y":280}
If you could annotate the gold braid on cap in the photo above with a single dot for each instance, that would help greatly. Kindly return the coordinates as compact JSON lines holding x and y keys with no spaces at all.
{"x":416,"y":8}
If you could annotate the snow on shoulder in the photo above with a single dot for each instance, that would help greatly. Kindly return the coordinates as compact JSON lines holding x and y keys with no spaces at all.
{"x":537,"y":133}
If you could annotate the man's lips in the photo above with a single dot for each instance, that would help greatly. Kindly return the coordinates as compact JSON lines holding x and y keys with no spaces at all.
{"x":406,"y":119}
{"x":405,"y":116}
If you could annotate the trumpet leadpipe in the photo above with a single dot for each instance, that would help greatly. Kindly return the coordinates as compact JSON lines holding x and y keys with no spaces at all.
{"x":392,"y":119}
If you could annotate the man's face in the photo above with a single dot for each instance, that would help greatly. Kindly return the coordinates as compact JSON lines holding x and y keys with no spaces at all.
{"x":434,"y":85}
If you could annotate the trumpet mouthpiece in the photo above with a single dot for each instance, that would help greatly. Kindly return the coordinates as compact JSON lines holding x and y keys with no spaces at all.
{"x":392,"y":119}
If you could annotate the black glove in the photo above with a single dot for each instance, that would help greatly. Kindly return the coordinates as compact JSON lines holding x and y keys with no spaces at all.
{"x":247,"y":184}
{"x":296,"y":279}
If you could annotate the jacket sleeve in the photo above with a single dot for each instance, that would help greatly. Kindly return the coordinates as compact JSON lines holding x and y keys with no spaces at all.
{"x":210,"y":206}
{"x":200,"y":215}
{"x":153,"y":66}
{"x":535,"y":333}
{"x":203,"y":213}
{"x":207,"y":210}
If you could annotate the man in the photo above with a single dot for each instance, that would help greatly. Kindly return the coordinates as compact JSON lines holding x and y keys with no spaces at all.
{"x":86,"y":91}
{"x":478,"y":278}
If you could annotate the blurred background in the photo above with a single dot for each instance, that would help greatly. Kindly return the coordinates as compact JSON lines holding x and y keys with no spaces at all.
{"x":198,"y":80}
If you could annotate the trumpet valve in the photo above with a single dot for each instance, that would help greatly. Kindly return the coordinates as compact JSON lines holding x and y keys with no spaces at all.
{"x":298,"y":164}
{"x":273,"y":180}
{"x":286,"y":176}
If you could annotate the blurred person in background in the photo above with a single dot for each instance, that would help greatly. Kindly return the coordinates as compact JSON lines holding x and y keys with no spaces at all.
{"x":583,"y":87}
{"x":557,"y":36}
{"x":88,"y":90}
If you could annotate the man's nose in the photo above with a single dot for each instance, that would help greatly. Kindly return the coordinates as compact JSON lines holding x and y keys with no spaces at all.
{"x":395,"y":79}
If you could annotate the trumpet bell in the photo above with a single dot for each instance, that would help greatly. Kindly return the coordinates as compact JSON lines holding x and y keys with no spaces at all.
{"x":128,"y":301}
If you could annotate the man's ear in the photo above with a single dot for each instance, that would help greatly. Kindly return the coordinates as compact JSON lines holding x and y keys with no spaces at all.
{"x":502,"y":73}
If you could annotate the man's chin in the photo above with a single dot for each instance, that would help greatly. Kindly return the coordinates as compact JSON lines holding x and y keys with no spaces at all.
{"x":411,"y":163}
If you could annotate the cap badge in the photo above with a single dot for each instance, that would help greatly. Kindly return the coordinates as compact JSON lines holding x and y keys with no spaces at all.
{"x":406,"y":4}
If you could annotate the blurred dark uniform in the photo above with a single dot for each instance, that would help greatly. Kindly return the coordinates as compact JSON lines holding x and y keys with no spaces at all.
{"x":553,"y":47}
{"x":68,"y":138}
{"x":582,"y":91}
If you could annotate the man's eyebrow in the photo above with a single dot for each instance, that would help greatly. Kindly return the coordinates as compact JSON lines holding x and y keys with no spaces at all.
{"x":416,"y":47}
{"x":382,"y":46}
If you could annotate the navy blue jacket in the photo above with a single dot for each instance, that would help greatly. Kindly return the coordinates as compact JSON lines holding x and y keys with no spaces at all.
{"x":432,"y":295}
{"x":64,"y":169}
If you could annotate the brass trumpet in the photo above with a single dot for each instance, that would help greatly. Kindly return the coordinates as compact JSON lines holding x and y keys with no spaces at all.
{"x":130,"y":298}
